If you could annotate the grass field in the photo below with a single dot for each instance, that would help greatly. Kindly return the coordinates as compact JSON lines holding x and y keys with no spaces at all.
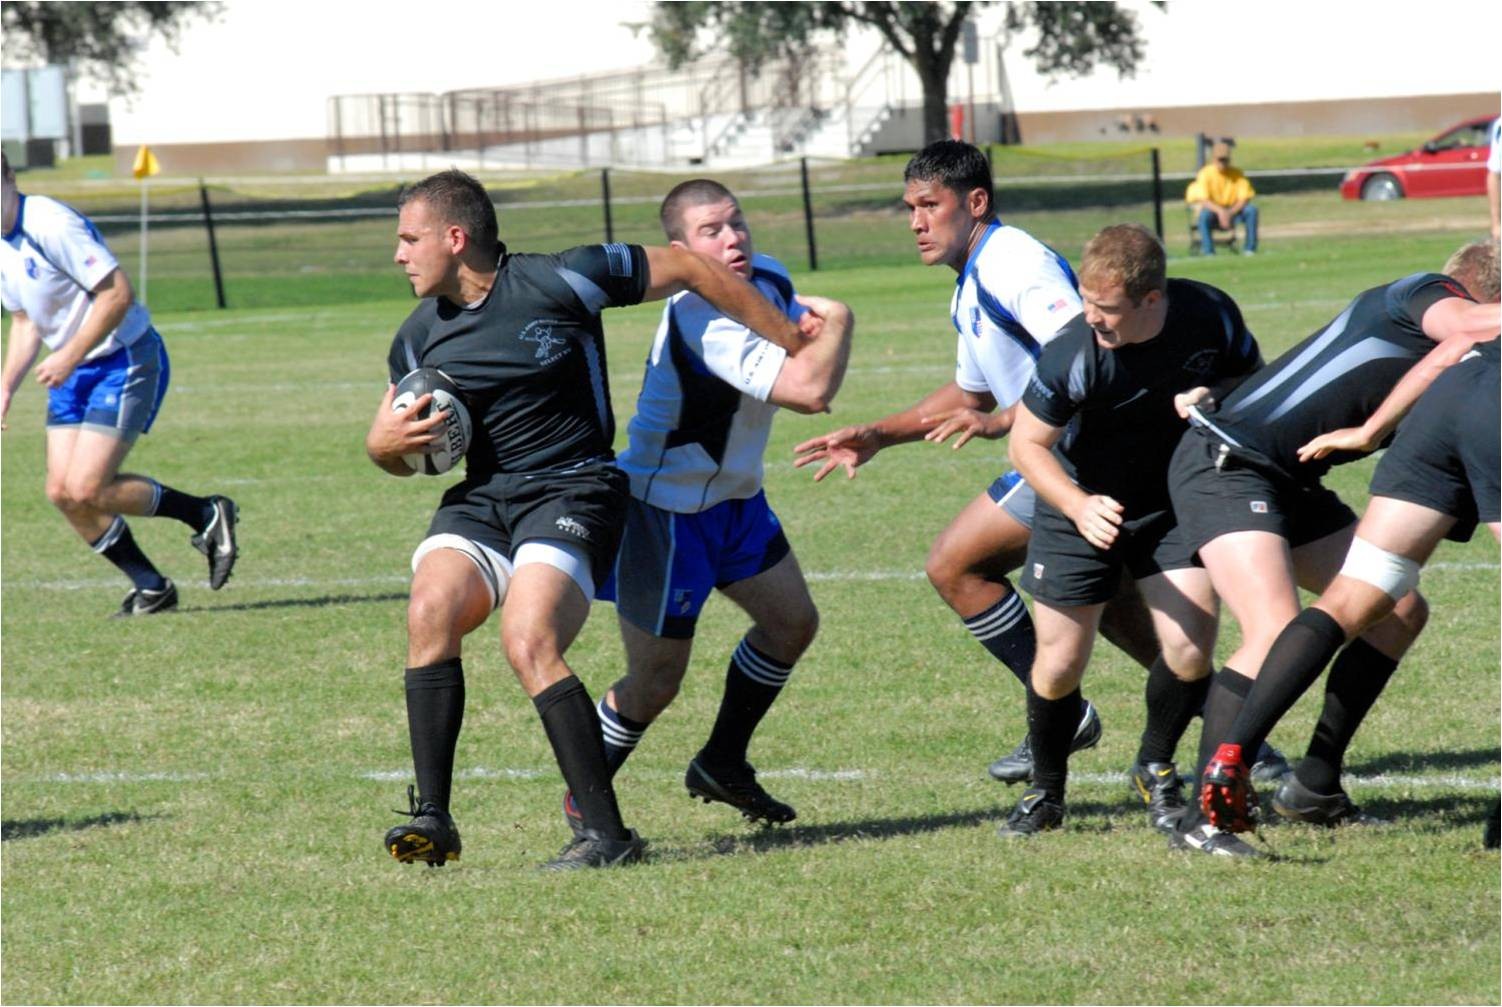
{"x":193,"y":803}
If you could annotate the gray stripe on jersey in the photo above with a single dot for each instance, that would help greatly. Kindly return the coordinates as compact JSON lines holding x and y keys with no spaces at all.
{"x":1363,"y":352}
{"x":1314,"y":349}
{"x":597,"y":382}
{"x":1077,"y":376}
{"x":595,"y":299}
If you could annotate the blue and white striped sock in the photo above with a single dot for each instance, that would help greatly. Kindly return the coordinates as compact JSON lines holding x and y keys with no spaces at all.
{"x":1006,"y":631}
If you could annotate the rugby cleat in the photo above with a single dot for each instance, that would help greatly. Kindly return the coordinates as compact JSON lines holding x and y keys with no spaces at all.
{"x":1206,"y":838}
{"x":1018,"y":766}
{"x":572,"y":815}
{"x":217,"y":541}
{"x":1297,"y":803}
{"x":1161,"y":789}
{"x":1036,"y":812}
{"x":590,"y":848}
{"x":140,"y":602}
{"x":430,"y":837}
{"x":1271,"y":766}
{"x":737,"y":787}
{"x":1226,"y":794}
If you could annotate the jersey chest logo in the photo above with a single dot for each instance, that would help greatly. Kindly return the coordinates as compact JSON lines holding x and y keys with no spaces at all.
{"x":550,"y":347}
{"x":1201,"y":361}
{"x":31,"y":267}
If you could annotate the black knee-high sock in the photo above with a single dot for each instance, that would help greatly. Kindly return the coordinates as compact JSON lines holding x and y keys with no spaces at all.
{"x":1006,"y":631}
{"x":752,"y":682}
{"x":435,"y":712}
{"x":1051,"y":724}
{"x":573,"y":729}
{"x":1171,"y":704}
{"x":1293,"y":664}
{"x":1228,"y":690}
{"x":118,"y":546}
{"x":1360,"y":674}
{"x":195,"y":512}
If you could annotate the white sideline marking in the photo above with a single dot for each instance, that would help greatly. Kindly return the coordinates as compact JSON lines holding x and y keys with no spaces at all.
{"x":1379,"y":781}
{"x":814,"y":576}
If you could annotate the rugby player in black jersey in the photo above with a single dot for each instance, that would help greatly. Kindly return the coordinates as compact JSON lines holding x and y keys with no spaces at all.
{"x":536,"y":521}
{"x":1437,"y":480}
{"x":1094,"y":433}
{"x":1263,"y":525}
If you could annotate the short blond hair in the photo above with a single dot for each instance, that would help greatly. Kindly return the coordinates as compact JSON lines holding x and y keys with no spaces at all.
{"x":1476,"y":267}
{"x":1128,"y":254}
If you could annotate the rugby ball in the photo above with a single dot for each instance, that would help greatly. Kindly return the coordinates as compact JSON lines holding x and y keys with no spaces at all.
{"x":452,"y":435}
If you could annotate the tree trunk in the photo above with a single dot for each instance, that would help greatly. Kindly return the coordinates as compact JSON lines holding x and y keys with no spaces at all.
{"x":935,"y":104}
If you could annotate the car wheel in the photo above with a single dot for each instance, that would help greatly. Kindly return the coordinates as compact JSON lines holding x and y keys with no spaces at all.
{"x":1381,"y":187}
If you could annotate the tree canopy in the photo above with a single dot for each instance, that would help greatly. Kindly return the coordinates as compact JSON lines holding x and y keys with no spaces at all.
{"x":101,"y":41}
{"x":1073,"y":38}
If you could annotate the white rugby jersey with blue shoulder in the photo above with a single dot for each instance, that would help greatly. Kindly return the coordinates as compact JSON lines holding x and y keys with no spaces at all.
{"x":1011,"y":299}
{"x":51,"y":259}
{"x":703,"y":419}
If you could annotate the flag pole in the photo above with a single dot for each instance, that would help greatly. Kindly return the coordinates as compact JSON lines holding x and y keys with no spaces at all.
{"x":145,"y":166}
{"x":144,"y":185}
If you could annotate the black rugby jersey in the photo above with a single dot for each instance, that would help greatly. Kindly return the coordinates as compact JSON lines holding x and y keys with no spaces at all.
{"x":530,"y":357}
{"x":1117,"y":405}
{"x":1336,"y":378}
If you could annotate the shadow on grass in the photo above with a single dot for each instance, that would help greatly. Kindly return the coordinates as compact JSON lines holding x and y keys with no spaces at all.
{"x":30,"y":828}
{"x":1413,"y":762}
{"x":1083,"y":816}
{"x":324,"y":602}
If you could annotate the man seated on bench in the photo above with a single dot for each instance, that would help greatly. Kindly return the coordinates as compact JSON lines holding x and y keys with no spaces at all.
{"x":1222,"y":196}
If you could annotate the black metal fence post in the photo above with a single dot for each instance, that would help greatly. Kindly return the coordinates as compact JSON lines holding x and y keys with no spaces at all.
{"x":1157,"y":194}
{"x":208,"y":223}
{"x":808,"y":218}
{"x":605,"y":198}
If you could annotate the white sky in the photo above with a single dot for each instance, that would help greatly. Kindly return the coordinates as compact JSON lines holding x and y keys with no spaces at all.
{"x":265,"y":69}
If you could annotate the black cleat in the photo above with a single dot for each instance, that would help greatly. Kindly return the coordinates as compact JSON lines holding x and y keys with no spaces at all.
{"x":1036,"y":812}
{"x":217,"y":541}
{"x":1206,"y":838}
{"x":1297,"y":803}
{"x":1161,"y":789}
{"x":431,"y":836}
{"x":140,"y":602}
{"x":1271,"y":766}
{"x":737,"y":787}
{"x":572,"y":815}
{"x":1018,"y":766}
{"x":592,"y":849}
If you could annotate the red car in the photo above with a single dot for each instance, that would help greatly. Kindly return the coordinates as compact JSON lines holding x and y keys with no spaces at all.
{"x":1451,"y":164}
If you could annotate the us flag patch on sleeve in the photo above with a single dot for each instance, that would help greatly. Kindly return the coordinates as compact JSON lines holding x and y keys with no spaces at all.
{"x":617,"y":259}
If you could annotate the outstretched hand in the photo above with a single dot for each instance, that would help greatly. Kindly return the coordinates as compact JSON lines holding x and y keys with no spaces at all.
{"x":1344,"y":439}
{"x":968,"y":423}
{"x":847,"y":448}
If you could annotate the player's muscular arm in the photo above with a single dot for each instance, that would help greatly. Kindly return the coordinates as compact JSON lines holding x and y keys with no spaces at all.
{"x":111,"y":300}
{"x":25,"y":340}
{"x":394,"y":434}
{"x":1370,"y":435}
{"x":853,"y":446}
{"x":1097,"y":517}
{"x":808,"y":381}
{"x":674,"y":269}
{"x":1455,"y":316}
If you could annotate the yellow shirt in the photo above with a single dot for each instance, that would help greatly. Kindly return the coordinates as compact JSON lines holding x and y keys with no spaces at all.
{"x":1223,"y":187}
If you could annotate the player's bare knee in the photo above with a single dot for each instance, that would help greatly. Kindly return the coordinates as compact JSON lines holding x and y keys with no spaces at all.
{"x":531,"y":653}
{"x":794,"y":633}
{"x":941,"y":570}
{"x":1412,"y":613}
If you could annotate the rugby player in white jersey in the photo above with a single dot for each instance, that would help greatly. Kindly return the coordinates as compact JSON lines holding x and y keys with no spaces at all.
{"x":1014,"y":295}
{"x":698,"y":519}
{"x":106,"y":374}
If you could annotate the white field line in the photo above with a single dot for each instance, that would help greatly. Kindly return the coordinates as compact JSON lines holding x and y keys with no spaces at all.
{"x":1379,"y":781}
{"x":379,"y":580}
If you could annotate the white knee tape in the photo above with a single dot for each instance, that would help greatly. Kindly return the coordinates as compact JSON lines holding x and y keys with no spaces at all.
{"x":495,"y":569}
{"x":1388,"y":572}
{"x":560,"y":555}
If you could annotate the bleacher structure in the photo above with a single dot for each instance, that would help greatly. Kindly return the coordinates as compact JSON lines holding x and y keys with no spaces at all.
{"x":714,"y":112}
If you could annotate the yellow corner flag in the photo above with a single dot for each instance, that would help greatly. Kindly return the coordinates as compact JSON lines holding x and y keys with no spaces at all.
{"x":146,"y":163}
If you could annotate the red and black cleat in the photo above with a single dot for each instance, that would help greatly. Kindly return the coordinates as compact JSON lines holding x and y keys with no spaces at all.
{"x":1227,"y":796}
